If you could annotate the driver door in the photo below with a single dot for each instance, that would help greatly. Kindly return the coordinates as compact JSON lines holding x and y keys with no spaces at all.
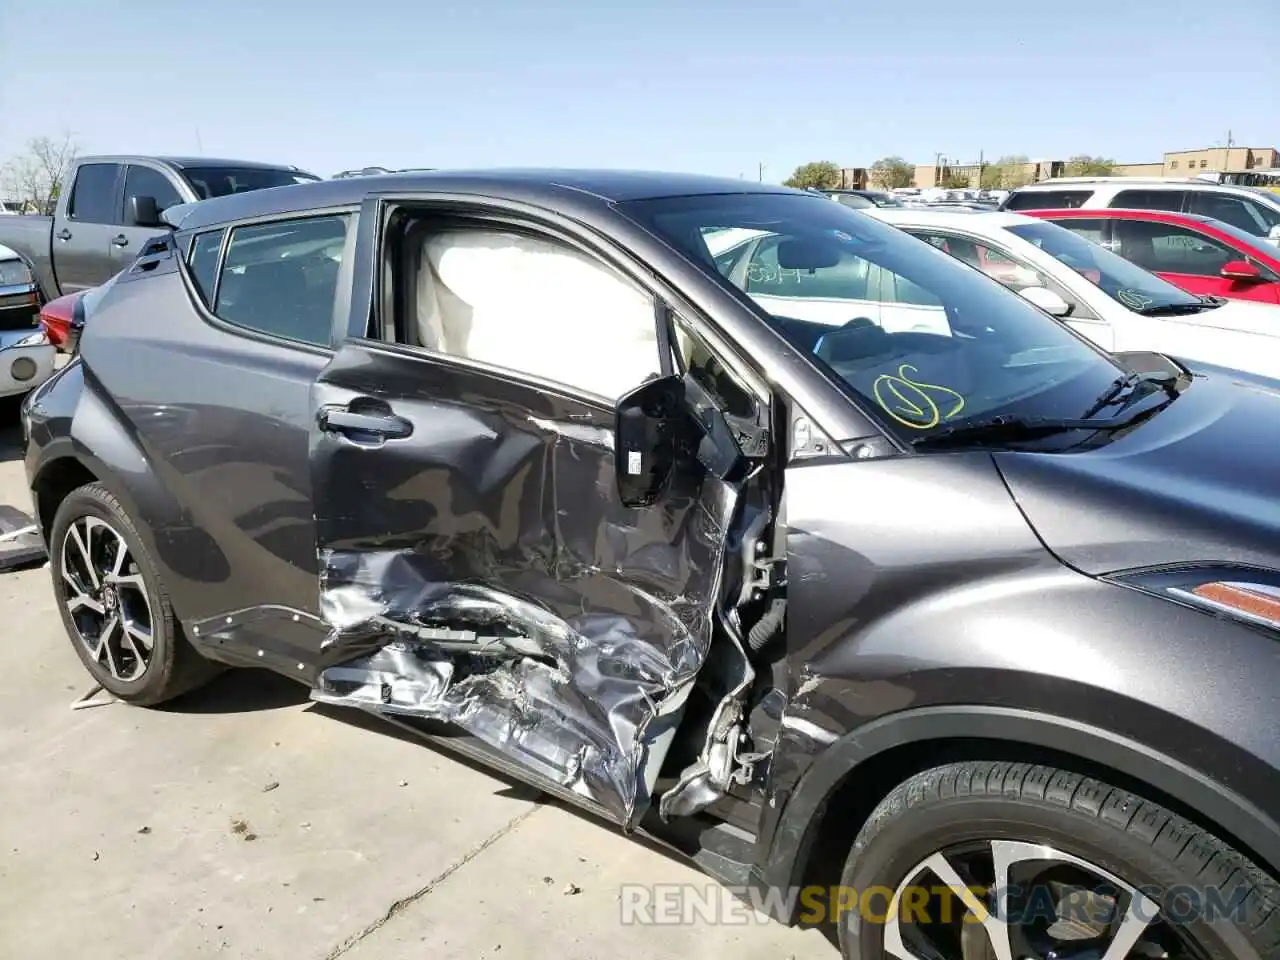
{"x":477,"y":564}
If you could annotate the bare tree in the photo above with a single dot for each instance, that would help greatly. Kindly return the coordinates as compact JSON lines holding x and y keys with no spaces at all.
{"x":35,"y":177}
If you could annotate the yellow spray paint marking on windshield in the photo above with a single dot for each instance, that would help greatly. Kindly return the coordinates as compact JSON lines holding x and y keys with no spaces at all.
{"x":901,"y":397}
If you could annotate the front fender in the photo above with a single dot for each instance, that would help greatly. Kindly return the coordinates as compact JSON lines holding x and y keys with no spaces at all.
{"x":1218,"y":806}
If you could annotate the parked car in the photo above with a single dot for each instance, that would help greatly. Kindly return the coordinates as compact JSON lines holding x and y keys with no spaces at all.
{"x":1198,"y":254}
{"x":114,"y":204}
{"x":782,"y":588}
{"x":26,"y":357}
{"x":858,"y":199}
{"x":1115,"y":303}
{"x":1252,"y":210}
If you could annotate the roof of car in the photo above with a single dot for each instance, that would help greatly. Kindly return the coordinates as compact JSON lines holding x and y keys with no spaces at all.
{"x":925,"y":217}
{"x":1087,"y":213}
{"x":185,"y":162}
{"x":607,"y":186}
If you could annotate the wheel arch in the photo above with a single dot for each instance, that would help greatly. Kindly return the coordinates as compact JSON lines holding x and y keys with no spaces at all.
{"x":837,"y":794}
{"x":53,"y":483}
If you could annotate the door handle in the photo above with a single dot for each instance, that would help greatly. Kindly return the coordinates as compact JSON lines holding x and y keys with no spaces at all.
{"x":386,"y":426}
{"x":120,"y":240}
{"x":64,"y":234}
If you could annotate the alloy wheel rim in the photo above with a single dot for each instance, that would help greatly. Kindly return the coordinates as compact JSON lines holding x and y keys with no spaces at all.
{"x":1011,"y":900}
{"x":106,"y":598}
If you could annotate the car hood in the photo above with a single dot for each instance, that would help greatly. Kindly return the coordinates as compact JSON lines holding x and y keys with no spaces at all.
{"x":1247,"y":316}
{"x":1195,"y":483}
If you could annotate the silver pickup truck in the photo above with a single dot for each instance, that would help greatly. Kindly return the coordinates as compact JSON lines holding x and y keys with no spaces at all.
{"x":112,"y":205}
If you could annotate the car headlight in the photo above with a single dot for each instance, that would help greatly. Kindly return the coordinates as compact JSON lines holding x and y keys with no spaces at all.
{"x":1249,"y":595}
{"x":37,"y":339}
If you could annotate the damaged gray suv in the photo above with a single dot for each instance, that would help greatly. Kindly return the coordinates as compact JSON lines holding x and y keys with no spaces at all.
{"x":720,"y":510}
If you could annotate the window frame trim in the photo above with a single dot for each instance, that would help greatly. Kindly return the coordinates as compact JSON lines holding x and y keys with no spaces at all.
{"x":1089,"y":314}
{"x":342,"y":294}
{"x":117,"y":186}
{"x":479,"y":212}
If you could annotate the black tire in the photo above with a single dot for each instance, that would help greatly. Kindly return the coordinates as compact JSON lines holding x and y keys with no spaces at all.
{"x":174,"y":667}
{"x":1134,"y":839}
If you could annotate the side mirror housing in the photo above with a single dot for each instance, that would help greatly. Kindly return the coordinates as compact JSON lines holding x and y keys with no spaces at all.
{"x":144,"y":212}
{"x":1241,"y":270}
{"x":648,"y":424}
{"x":1046,"y":300}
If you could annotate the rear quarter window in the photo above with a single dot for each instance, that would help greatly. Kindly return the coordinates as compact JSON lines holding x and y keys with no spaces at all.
{"x":1048,"y":199}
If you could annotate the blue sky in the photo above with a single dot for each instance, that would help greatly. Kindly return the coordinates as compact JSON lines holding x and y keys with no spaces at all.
{"x":718,"y":87}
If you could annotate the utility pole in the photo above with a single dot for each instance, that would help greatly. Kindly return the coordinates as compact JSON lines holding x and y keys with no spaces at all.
{"x":760,"y":173}
{"x":981,"y":167}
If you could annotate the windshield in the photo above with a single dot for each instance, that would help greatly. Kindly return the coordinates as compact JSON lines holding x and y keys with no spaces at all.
{"x":1249,"y":241}
{"x":854,"y":200}
{"x":1125,"y":282}
{"x":220,"y":181}
{"x":923,"y":340}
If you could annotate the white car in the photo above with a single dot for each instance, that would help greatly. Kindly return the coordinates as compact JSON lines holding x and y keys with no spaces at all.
{"x":1118,"y":305}
{"x":26,"y":355}
{"x":1250,"y":209}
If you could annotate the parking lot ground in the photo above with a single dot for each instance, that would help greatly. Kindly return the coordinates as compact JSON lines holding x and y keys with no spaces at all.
{"x":243,"y":821}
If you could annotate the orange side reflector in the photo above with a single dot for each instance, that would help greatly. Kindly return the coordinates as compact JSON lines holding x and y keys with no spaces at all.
{"x":1253,"y":602}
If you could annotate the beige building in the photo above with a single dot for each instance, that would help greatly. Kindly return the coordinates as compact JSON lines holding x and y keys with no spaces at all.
{"x":1138,"y":170}
{"x":1177,"y":163}
{"x":1189,"y":163}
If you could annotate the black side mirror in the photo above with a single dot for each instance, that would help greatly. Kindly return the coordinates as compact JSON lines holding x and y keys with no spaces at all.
{"x":648,"y":425}
{"x":144,"y":212}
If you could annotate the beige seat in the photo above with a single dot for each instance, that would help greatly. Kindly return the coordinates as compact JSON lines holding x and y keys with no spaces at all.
{"x":536,"y":307}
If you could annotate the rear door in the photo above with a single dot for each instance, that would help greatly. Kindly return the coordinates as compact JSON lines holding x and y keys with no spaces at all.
{"x":82,"y":248}
{"x":477,"y":564}
{"x":140,"y":180}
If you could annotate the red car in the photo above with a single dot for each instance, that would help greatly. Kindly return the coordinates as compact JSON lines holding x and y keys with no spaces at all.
{"x":1196,"y":253}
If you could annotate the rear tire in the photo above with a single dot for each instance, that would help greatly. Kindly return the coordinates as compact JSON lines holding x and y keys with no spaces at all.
{"x":114,"y":605}
{"x":964,"y":812}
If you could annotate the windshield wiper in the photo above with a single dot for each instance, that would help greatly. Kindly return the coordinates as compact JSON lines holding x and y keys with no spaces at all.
{"x":1006,"y":428}
{"x":1009,"y":428}
{"x":1175,"y":309}
{"x":1122,"y":388}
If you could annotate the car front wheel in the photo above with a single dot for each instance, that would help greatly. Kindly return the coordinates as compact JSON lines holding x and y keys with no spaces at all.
{"x":114,"y":605}
{"x":1007,"y":861}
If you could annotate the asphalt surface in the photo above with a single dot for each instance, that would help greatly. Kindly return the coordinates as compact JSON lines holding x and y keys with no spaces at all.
{"x":244,"y":821}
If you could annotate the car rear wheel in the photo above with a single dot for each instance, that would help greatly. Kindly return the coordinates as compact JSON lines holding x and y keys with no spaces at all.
{"x":114,"y":605}
{"x":1006,"y":861}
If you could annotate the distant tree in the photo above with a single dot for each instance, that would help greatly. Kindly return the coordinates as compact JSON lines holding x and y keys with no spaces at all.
{"x":889,"y":173}
{"x":1007,"y":173}
{"x":821,"y":175}
{"x":1086,"y":166}
{"x":954,"y":181}
{"x":35,"y":177}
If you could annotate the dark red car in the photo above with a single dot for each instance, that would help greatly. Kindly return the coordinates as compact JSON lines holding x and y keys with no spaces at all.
{"x":1199,"y":254}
